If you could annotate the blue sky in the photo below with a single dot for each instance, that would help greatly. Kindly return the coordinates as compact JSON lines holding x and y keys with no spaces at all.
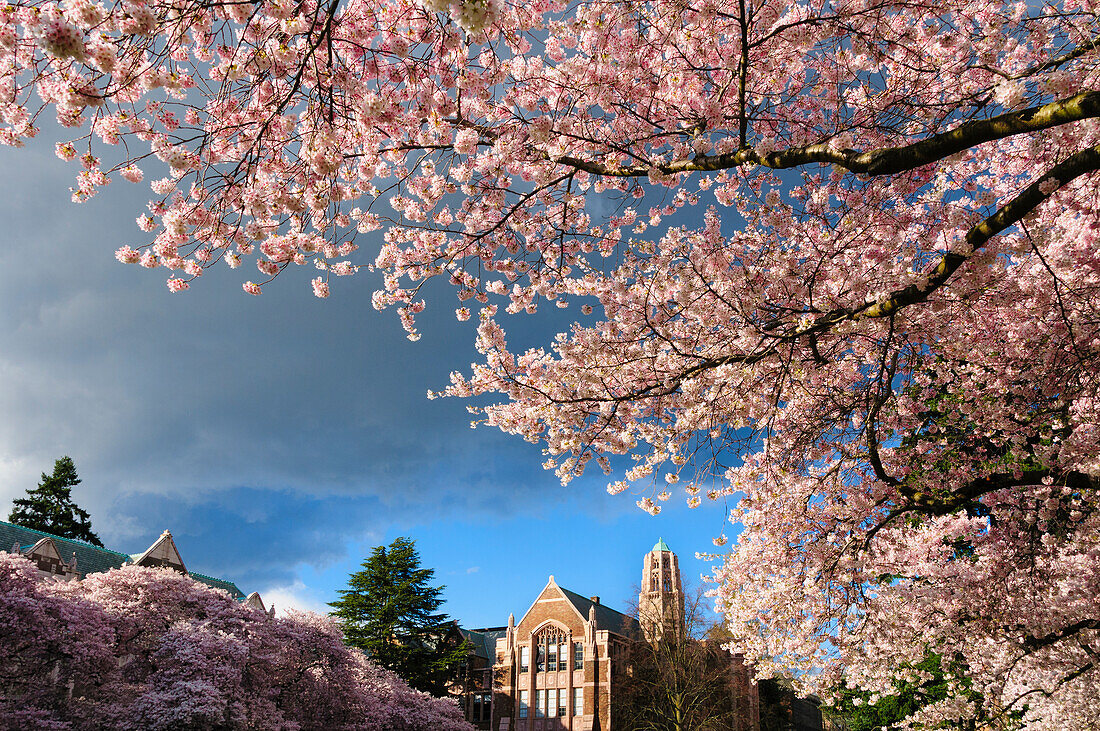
{"x":279,"y":438}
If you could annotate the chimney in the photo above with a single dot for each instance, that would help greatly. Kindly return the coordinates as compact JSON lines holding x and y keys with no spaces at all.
{"x":595,"y":599}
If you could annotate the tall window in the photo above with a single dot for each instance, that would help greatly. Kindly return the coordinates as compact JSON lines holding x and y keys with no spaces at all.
{"x":578,"y":701}
{"x":552,"y":703}
{"x":578,"y":656}
{"x":523,"y":703}
{"x":482,"y":707}
{"x":540,"y":704}
{"x":551,"y":645}
{"x":524,"y":658}
{"x":562,"y":711}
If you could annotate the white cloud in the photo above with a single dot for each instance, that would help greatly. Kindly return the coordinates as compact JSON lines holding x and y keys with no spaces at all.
{"x":293,"y":596}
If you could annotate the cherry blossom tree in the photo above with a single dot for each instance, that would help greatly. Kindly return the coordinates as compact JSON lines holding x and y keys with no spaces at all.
{"x":38,"y":649}
{"x":143,"y":648}
{"x":835,"y":258}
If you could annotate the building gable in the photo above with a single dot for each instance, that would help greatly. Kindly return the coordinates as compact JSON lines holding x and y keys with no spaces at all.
{"x":163,"y":552}
{"x":253,"y":600}
{"x":44,"y":549}
{"x":47,"y":558}
{"x":552,"y":603}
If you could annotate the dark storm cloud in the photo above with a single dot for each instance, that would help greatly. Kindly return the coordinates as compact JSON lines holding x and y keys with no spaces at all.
{"x":224,"y":417}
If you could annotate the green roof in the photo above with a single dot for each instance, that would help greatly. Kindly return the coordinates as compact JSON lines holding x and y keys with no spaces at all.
{"x":227,"y":586}
{"x":606,"y":617}
{"x":661,"y":546}
{"x":484,"y":641}
{"x":89,"y":559}
{"x":92,"y":559}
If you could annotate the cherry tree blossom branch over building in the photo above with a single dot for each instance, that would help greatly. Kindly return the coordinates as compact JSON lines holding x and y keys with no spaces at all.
{"x":836,"y":259}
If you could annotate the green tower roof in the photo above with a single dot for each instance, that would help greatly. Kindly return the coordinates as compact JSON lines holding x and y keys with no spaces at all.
{"x":661,"y":546}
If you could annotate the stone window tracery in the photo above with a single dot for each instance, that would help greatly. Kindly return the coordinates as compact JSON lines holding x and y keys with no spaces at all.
{"x":551,"y":649}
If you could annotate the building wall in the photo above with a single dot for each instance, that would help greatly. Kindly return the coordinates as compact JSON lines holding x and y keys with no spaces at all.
{"x":553,"y":615}
{"x":561,"y":613}
{"x":477,"y":690}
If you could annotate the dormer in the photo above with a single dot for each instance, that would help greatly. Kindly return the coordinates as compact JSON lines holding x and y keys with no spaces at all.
{"x":255,"y":601}
{"x":47,"y":558}
{"x":163,"y":552}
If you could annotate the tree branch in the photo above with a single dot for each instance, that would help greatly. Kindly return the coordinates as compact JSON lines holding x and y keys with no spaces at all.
{"x":883,"y":161}
{"x":1037,"y":643}
{"x":1081,"y":163}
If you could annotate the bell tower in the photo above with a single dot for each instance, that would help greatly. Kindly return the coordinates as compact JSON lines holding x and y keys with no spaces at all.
{"x":661,"y":601}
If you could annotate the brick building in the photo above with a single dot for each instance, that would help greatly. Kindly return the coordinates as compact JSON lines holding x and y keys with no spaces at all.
{"x":559,"y":667}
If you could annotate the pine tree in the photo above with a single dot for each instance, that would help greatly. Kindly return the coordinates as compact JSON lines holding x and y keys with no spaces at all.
{"x":389,"y":611}
{"x":50,"y":507}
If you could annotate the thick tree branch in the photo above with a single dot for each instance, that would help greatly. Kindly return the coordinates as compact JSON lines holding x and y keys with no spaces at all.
{"x":945,"y":503}
{"x":948,"y":502}
{"x":883,"y":161}
{"x":1083,"y":162}
{"x":1037,"y":643}
{"x":774,"y":335}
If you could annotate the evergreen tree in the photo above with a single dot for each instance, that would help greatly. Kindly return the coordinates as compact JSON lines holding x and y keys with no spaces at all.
{"x":50,"y":507}
{"x":389,"y":611}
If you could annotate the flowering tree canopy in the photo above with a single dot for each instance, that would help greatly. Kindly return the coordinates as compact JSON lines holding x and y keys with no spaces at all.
{"x":837,"y":256}
{"x":143,"y":648}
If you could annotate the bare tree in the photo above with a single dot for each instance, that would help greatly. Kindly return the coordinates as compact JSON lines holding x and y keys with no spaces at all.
{"x":680,"y":682}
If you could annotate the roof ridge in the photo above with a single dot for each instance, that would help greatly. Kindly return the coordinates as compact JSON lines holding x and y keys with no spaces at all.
{"x":608,"y":617}
{"x":99,"y":556}
{"x":66,"y":539}
{"x":205,"y":576}
{"x":212,"y":578}
{"x":582,"y":597}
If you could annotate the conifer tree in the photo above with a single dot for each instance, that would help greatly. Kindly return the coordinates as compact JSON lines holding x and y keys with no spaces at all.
{"x":50,"y":507}
{"x":389,"y":611}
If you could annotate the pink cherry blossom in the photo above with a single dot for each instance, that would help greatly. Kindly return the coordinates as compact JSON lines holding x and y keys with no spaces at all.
{"x":61,"y":38}
{"x":836,"y":266}
{"x":127,"y":255}
{"x":143,"y":649}
{"x":132,"y":173}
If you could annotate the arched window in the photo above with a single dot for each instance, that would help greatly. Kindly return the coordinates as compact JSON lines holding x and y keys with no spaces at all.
{"x":551,"y":649}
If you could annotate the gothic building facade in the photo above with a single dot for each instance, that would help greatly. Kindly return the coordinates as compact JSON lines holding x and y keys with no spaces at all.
{"x":562,"y":666}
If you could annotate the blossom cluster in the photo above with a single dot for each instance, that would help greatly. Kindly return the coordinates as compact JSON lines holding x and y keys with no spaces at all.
{"x":144,"y":648}
{"x":834,"y":266}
